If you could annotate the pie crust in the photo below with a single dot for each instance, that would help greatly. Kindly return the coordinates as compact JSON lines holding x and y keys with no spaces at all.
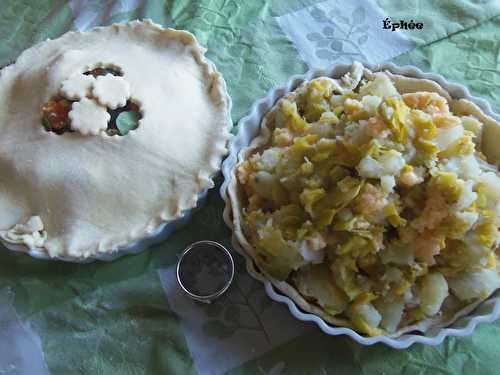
{"x":86,"y":192}
{"x":404,"y":84}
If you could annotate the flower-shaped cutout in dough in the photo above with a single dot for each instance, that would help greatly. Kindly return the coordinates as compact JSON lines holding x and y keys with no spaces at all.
{"x":77,"y":86}
{"x":88,"y":117}
{"x":111,"y":91}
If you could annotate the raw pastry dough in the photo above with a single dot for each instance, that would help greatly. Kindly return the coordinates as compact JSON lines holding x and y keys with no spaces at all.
{"x":30,"y":233}
{"x":97,"y":193}
{"x":111,"y":91}
{"x":77,"y":86}
{"x":88,"y":117}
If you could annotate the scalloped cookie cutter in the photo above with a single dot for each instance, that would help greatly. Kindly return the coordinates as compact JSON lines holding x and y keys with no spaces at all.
{"x":205,"y":271}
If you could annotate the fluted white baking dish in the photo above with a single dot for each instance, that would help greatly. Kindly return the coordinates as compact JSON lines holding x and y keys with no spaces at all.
{"x":159,"y":234}
{"x":249,"y":127}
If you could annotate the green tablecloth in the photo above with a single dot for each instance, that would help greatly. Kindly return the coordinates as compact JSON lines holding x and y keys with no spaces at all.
{"x":126,"y":317}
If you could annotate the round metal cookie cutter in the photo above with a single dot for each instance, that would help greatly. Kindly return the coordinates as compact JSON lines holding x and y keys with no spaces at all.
{"x":205,"y":270}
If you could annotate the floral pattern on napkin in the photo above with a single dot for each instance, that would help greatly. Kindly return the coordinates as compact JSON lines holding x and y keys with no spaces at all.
{"x":239,"y":326}
{"x":340,"y":32}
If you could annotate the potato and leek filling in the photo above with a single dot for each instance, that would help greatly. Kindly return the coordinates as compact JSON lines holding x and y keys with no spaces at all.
{"x":375,"y":205}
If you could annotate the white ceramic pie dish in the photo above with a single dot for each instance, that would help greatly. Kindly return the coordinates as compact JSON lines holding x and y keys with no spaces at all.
{"x":249,"y":127}
{"x":159,"y":234}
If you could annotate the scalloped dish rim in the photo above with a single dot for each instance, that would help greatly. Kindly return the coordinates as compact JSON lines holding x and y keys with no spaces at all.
{"x":250,"y":125}
{"x":157,"y":235}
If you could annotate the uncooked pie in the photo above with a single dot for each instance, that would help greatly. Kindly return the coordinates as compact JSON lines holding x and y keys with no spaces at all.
{"x":105,"y":135}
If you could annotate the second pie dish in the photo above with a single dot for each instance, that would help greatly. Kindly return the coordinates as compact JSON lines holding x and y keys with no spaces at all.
{"x":326,"y":255}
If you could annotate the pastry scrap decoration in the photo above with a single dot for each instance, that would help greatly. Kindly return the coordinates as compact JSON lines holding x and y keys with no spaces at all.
{"x":31,"y":233}
{"x":92,"y":102}
{"x":88,"y":117}
{"x":111,"y":91}
{"x":77,"y":86}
